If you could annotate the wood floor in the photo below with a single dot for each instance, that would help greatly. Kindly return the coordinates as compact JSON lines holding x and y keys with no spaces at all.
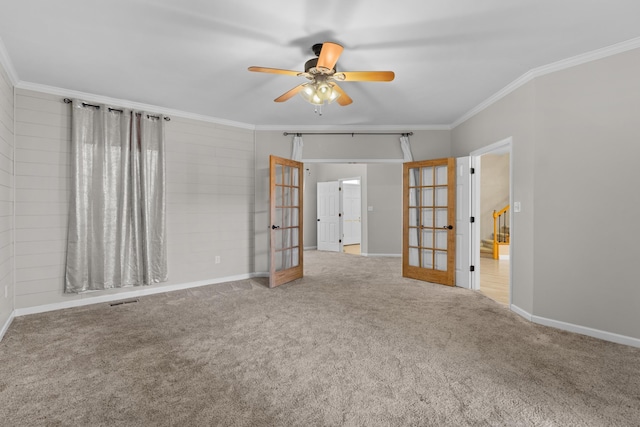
{"x":351,"y":249}
{"x":494,"y":279}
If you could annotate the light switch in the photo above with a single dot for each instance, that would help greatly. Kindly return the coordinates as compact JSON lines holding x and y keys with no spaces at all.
{"x":370,"y":208}
{"x":517,"y":207}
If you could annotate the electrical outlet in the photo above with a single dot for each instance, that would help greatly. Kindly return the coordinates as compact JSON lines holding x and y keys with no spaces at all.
{"x":217,"y":259}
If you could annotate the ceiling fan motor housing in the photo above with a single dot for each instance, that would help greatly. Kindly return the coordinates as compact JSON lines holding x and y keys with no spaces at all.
{"x":311,"y":64}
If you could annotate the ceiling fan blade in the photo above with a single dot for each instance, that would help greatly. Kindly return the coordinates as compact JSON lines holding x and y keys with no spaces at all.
{"x":290,"y":94}
{"x":343,"y":99}
{"x":367,"y":76}
{"x":274,"y":71}
{"x":329,"y":55}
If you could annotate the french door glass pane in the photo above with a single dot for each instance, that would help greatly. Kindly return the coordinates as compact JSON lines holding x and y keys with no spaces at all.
{"x":441,"y":175}
{"x":441,"y":261}
{"x":414,"y":257}
{"x":427,"y":197}
{"x":413,"y":236}
{"x":413,"y":217}
{"x":294,"y":217}
{"x":413,"y":197}
{"x":295,"y":257}
{"x":295,"y":179}
{"x":427,"y":258}
{"x":441,"y":239}
{"x":294,"y":197}
{"x":286,"y":199}
{"x":427,"y":217}
{"x":427,"y":238}
{"x":441,"y":218}
{"x":427,"y":176}
{"x":287,"y":176}
{"x":441,"y":196}
{"x":279,"y":174}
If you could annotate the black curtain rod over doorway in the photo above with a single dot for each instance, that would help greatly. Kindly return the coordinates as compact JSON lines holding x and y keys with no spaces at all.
{"x":347,"y":133}
{"x":84,"y":104}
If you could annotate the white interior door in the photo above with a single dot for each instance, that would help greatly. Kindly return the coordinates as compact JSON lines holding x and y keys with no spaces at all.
{"x":329,"y":216}
{"x":351,"y":214}
{"x":464,"y":226}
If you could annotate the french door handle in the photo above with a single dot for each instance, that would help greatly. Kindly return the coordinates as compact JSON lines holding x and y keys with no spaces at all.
{"x":273,"y":227}
{"x":448,"y":227}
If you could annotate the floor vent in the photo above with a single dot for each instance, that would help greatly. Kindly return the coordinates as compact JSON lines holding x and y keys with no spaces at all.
{"x":128,"y":301}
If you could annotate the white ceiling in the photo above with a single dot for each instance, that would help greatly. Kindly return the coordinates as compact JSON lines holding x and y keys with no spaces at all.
{"x":192,"y":55}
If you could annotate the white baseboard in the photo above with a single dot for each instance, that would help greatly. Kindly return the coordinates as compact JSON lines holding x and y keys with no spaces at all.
{"x":582,"y":330}
{"x":382,"y":255}
{"x":310,"y":248}
{"x":88,"y":300}
{"x":6,"y":325}
{"x":520,"y":312}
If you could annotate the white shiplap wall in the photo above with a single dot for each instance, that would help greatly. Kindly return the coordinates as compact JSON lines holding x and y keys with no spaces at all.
{"x":210,"y":204}
{"x":6,"y":198}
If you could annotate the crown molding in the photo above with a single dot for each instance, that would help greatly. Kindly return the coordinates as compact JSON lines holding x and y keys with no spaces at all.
{"x":68,"y":93}
{"x":350,"y":128}
{"x":6,"y":63}
{"x":548,"y":69}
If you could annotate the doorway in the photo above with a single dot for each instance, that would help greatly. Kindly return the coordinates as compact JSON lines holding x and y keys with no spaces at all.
{"x":351,"y":206}
{"x":492,"y":191}
{"x":339,"y":224}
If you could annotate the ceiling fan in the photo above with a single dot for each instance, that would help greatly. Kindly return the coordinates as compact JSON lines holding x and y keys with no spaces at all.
{"x":321,"y":71}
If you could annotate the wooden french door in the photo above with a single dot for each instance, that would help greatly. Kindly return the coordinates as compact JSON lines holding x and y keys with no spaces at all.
{"x":429,"y":208}
{"x":285,"y":199}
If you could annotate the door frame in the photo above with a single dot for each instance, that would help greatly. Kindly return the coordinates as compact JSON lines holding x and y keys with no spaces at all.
{"x":502,"y":146}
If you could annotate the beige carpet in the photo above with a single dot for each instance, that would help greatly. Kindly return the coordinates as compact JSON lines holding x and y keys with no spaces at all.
{"x":351,"y":344}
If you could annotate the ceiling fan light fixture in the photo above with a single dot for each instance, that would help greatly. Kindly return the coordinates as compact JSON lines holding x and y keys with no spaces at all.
{"x":310,"y":94}
{"x":318,"y":93}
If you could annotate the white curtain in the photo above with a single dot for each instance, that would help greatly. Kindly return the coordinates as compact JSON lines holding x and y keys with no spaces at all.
{"x":405,"y":145}
{"x":117,"y":207}
{"x":296,"y":152}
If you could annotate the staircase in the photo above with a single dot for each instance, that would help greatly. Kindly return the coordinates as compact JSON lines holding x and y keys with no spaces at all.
{"x":486,"y":245}
{"x":501,"y":236}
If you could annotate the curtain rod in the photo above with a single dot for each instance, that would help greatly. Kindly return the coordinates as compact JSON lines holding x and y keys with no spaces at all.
{"x":347,"y":133}
{"x":84,"y":104}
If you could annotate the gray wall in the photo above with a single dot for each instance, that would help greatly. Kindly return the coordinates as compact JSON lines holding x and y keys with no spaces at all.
{"x":576,"y":142}
{"x":512,"y":116}
{"x":6,"y":197}
{"x":587,"y":197}
{"x":387,"y":179}
{"x":210,"y":188}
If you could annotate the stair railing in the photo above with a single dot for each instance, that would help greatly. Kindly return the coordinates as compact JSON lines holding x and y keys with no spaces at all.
{"x":501,"y":235}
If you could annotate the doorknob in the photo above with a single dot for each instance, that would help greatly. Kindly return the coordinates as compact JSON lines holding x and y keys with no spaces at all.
{"x":448,"y":227}
{"x":273,"y":227}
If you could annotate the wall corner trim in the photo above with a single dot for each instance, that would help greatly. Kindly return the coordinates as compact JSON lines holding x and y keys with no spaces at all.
{"x":5,"y":61}
{"x":6,"y":325}
{"x":548,"y":69}
{"x":520,"y":312}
